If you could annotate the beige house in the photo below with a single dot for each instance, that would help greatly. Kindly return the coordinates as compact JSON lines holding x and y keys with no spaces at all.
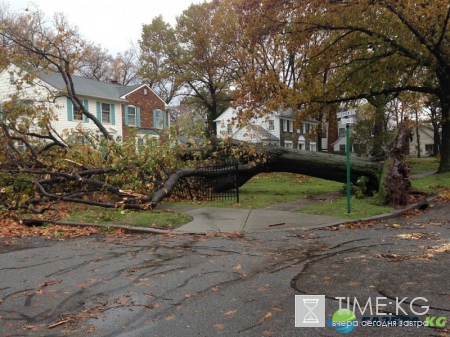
{"x":426,"y":141}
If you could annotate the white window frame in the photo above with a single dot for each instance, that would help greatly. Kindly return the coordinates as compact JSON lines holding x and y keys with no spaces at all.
{"x":288,"y":144}
{"x":159,"y":119}
{"x":133,"y":120}
{"x":291,"y":126}
{"x":271,"y":124}
{"x":283,"y":122}
{"x":229,"y":128}
{"x":106,"y":113}
{"x":313,"y":147}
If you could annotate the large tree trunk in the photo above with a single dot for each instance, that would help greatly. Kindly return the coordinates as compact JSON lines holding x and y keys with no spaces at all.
{"x":279,"y":159}
{"x":396,"y":180}
{"x":444,"y":165}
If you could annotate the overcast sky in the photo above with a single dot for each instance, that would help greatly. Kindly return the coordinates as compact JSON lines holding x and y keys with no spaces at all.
{"x":112,"y":24}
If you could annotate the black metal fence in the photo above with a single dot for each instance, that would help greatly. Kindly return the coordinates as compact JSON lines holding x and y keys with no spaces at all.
{"x":211,"y":183}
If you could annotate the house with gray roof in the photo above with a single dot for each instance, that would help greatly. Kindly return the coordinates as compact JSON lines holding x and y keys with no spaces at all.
{"x":118,"y":108}
{"x":274,"y":128}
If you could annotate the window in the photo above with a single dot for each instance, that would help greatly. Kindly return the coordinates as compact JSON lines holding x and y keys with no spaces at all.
{"x":230,"y":128}
{"x":283,"y":122}
{"x":341,"y":131}
{"x":312,"y":146}
{"x":132,"y":116}
{"x":106,"y":113}
{"x":158,"y":119}
{"x":77,"y":115}
{"x":11,"y":78}
{"x":291,"y":126}
{"x":140,"y":141}
{"x":429,"y":148}
{"x":271,"y":124}
{"x":342,"y":148}
{"x":288,"y":144}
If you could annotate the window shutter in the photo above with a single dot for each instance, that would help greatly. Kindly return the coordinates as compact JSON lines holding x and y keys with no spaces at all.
{"x":113,"y":114}
{"x":69,"y":110}
{"x":86,"y":106}
{"x":126,"y":114}
{"x":164,"y":119}
{"x":154,"y":119}
{"x":138,"y":116}
{"x":99,"y":112}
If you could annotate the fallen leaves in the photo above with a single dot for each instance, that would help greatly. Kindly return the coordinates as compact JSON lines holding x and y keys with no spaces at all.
{"x":265,"y":317}
{"x":11,"y":228}
{"x":444,"y":248}
{"x":230,"y":312}
{"x":391,"y":257}
{"x":219,"y":326}
{"x":49,"y":283}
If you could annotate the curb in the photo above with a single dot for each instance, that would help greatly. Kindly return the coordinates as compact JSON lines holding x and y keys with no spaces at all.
{"x":128,"y":228}
{"x":390,"y":215}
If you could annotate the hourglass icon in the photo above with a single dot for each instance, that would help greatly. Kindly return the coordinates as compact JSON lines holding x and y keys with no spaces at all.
{"x":310,"y":304}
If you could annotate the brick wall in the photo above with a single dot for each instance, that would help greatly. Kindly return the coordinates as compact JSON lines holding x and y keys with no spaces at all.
{"x":147,"y":102}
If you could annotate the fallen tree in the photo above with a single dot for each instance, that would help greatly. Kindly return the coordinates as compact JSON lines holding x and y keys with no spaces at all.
{"x":144,"y":185}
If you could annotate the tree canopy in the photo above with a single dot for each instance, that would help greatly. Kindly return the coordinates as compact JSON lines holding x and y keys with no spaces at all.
{"x":363,"y":50}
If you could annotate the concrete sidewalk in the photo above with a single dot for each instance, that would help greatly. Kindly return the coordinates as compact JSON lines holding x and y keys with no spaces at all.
{"x":213,"y":219}
{"x":275,"y":217}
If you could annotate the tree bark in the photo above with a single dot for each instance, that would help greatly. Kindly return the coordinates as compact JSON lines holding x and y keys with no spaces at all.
{"x":396,"y":181}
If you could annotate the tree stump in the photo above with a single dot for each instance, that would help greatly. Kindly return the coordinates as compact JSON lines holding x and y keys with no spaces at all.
{"x":396,"y":180}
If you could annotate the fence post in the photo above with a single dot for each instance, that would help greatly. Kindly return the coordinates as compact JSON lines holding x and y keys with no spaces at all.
{"x":237,"y":183}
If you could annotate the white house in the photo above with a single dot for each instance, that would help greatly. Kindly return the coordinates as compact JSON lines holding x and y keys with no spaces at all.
{"x":426,"y":141}
{"x":119,"y":108}
{"x":257,"y":130}
{"x":275,"y":128}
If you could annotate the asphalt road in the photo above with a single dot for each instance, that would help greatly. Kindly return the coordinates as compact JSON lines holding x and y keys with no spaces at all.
{"x":230,"y":285}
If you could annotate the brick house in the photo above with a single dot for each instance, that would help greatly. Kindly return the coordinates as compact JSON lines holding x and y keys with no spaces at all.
{"x":144,"y":109}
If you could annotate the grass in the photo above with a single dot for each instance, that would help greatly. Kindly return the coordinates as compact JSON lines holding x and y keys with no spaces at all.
{"x":421,"y":165}
{"x":434,"y":183}
{"x":359,"y":208}
{"x":154,"y":219}
{"x":267,"y":189}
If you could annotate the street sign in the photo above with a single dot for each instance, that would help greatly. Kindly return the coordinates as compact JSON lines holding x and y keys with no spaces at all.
{"x":346,"y":113}
{"x":347,"y":120}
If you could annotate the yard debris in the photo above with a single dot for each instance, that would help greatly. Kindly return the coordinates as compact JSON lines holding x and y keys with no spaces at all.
{"x":393,"y":257}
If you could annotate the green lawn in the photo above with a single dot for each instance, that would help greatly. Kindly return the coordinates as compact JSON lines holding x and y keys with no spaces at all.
{"x":420,"y":165}
{"x":155,"y":219}
{"x":267,"y":189}
{"x":359,"y":208}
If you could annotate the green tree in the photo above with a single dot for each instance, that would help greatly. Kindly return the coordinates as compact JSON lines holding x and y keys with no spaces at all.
{"x":377,"y":48}
{"x":191,"y":58}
